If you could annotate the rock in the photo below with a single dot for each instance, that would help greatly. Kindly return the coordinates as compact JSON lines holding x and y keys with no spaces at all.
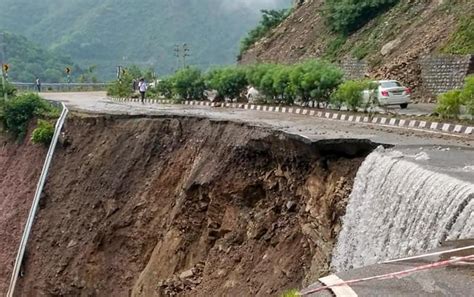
{"x":186,"y":274}
{"x":389,"y":47}
{"x":72,"y":243}
{"x":291,"y":205}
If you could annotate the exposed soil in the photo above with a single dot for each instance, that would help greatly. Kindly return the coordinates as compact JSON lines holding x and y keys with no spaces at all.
{"x":20,"y":168}
{"x":186,"y":206}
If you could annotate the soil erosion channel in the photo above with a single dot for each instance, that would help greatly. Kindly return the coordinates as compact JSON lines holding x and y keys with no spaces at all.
{"x":188,"y":206}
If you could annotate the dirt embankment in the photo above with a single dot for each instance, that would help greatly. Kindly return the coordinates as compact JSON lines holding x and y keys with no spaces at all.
{"x":20,"y":168}
{"x":188,"y":207}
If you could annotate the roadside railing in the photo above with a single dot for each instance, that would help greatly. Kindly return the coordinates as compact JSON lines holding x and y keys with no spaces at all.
{"x":36,"y":199}
{"x":61,"y":87}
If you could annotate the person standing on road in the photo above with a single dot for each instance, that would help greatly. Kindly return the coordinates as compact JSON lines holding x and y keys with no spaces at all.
{"x":142,"y":88}
{"x":38,"y":84}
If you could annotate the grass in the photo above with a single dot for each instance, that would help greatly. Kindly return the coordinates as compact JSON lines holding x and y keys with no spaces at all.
{"x":462,"y":41}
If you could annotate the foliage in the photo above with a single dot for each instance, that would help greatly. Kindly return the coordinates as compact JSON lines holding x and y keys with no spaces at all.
{"x":467,"y":94}
{"x":347,"y":16}
{"x":121,"y":88}
{"x":17,"y":112}
{"x":28,"y":61}
{"x":462,"y":41}
{"x":230,"y":82}
{"x":350,"y":94}
{"x":449,"y":103}
{"x":9,"y":89}
{"x":188,"y":84}
{"x":334,"y":47}
{"x":43,"y":134}
{"x":315,"y":80}
{"x":270,"y":19}
{"x":291,"y":293}
{"x":89,"y":75}
{"x":165,"y":88}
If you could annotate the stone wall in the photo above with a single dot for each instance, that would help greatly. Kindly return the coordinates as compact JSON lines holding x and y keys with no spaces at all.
{"x":443,"y":73}
{"x":354,"y":69}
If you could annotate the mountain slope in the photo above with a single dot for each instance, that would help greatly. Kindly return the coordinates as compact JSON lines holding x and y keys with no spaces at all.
{"x":391,"y":43}
{"x":113,"y":32}
{"x":28,"y":61}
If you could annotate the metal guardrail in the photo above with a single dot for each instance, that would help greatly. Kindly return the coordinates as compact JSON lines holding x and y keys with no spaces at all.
{"x":60,"y":86}
{"x":34,"y":207}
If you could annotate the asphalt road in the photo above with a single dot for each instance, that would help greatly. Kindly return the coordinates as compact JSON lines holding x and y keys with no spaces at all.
{"x":309,"y":127}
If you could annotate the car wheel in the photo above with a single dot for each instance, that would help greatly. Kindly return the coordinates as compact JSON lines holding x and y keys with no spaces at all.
{"x":404,"y":105}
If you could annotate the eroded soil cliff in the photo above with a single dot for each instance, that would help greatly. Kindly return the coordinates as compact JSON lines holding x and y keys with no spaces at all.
{"x":188,"y":207}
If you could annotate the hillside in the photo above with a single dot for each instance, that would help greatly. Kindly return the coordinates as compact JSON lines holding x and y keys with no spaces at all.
{"x":391,"y":43}
{"x":28,"y":60}
{"x":117,"y":32}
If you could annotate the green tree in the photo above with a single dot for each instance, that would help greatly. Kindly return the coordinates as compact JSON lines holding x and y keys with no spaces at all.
{"x":350,"y":93}
{"x":188,"y":84}
{"x":230,"y":82}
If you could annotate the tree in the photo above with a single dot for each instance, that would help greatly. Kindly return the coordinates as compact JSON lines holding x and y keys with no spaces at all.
{"x":188,"y":84}
{"x":350,"y":93}
{"x":230,"y":82}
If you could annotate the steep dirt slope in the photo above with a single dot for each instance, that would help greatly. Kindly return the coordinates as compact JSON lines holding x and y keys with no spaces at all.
{"x":20,"y":168}
{"x":186,"y":206}
{"x":391,"y":43}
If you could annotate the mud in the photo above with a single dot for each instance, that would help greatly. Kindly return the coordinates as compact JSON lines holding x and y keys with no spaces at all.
{"x":175,"y":206}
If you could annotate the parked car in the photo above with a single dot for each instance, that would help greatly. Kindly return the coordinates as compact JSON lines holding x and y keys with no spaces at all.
{"x":390,"y":92}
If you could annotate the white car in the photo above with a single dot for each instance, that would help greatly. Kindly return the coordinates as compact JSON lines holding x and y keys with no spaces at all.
{"x":390,"y":92}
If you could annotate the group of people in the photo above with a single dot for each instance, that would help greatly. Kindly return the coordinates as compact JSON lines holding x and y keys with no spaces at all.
{"x":141,"y":86}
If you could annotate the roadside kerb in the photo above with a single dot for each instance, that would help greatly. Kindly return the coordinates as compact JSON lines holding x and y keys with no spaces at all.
{"x":332,"y":115}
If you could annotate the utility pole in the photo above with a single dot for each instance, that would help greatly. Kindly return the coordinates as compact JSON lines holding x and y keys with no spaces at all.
{"x":176,"y":54}
{"x":3,"y":62}
{"x":185,"y":54}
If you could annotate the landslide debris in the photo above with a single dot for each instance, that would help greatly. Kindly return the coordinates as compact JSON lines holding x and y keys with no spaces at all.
{"x":186,"y":207}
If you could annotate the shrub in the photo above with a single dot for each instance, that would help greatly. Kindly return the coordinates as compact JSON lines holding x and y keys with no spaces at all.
{"x":230,"y":82}
{"x":43,"y":134}
{"x":270,"y":20}
{"x":347,"y":16}
{"x":350,"y":93}
{"x":9,"y":89}
{"x":188,"y":84}
{"x":467,"y":94}
{"x":20,"y":110}
{"x":314,"y":81}
{"x":121,"y":88}
{"x":165,"y":88}
{"x":449,"y":104}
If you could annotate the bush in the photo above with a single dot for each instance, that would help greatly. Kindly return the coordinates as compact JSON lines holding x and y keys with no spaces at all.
{"x":347,"y":16}
{"x":43,"y":134}
{"x":165,"y":88}
{"x":315,"y":81}
{"x":270,"y":20}
{"x":449,"y":104}
{"x":350,"y":93}
{"x":19,"y":111}
{"x":467,"y":94}
{"x":230,"y":82}
{"x":9,"y":89}
{"x":462,"y":41}
{"x":188,"y":84}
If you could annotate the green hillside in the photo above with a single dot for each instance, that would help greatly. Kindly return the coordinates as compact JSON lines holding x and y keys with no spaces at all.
{"x":118,"y":32}
{"x":28,"y":61}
